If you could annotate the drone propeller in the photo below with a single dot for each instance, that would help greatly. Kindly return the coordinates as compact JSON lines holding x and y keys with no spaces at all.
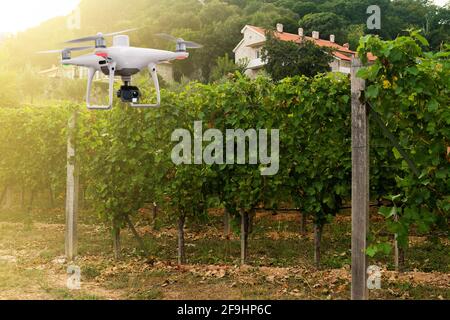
{"x":167,"y":37}
{"x":66,"y":50}
{"x":182,"y":45}
{"x":100,"y":36}
{"x":66,"y":53}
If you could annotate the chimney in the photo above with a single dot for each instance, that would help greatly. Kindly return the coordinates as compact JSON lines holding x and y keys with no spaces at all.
{"x":346,"y":45}
{"x":280,"y":27}
{"x":301,"y":33}
{"x":332,"y":38}
{"x":315,"y":35}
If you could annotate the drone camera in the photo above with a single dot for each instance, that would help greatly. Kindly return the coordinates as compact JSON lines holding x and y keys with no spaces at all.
{"x":129,"y":94}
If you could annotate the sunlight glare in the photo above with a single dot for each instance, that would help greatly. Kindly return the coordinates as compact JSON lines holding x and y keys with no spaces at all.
{"x":19,"y":15}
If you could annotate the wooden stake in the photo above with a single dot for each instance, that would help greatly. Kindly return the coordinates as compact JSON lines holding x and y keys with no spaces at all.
{"x":181,"y":244}
{"x":71,"y":193}
{"x":226,"y":224}
{"x":3,"y":195}
{"x":154,"y":215}
{"x":396,"y":249}
{"x":244,"y":236}
{"x":360,"y":185}
{"x":9,"y":201}
{"x":303,"y":223}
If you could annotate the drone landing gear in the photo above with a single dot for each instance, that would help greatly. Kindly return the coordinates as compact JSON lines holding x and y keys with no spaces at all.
{"x":152,"y":69}
{"x":91,"y":75}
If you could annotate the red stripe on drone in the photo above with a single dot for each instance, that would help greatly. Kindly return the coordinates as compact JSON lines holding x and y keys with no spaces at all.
{"x":102,"y":54}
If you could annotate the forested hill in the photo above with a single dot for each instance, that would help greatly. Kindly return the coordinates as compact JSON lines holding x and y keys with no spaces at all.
{"x":217,"y":25}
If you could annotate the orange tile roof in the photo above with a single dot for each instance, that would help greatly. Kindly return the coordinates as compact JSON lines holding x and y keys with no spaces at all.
{"x":340,"y":50}
{"x":371,"y":57}
{"x":342,"y":56}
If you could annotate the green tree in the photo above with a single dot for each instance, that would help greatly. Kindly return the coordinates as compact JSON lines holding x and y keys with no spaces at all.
{"x":9,"y":93}
{"x":31,"y":83}
{"x":226,"y":66}
{"x":326,"y":23}
{"x":218,"y":23}
{"x":285,"y":59}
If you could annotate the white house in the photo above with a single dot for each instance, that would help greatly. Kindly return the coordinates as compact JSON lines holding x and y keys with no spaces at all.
{"x":249,"y":49}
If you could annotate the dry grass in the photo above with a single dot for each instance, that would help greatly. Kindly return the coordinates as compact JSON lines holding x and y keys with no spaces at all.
{"x":31,"y":268}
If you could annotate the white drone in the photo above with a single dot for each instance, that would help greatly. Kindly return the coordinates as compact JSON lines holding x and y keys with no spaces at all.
{"x":124,"y":61}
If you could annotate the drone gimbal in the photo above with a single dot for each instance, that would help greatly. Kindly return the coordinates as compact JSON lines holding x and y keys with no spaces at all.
{"x":127,"y":93}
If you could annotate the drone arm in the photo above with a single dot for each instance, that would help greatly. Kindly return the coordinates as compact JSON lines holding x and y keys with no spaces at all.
{"x":91,"y":74}
{"x":152,"y":69}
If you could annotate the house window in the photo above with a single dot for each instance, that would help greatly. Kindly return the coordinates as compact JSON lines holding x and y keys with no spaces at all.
{"x":258,"y":53}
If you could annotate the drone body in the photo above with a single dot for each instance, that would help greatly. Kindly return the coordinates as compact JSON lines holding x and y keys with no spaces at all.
{"x":125,"y":61}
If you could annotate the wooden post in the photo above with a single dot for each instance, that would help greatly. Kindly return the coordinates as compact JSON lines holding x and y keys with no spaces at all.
{"x":3,"y":195}
{"x":360,"y":185}
{"x":396,"y":248}
{"x":317,"y":242}
{"x":181,"y":244}
{"x":226,"y":224}
{"x":244,"y":236}
{"x":154,"y":214}
{"x":71,"y":192}
{"x":22,"y":197}
{"x":303,"y":223}
{"x":8,"y":201}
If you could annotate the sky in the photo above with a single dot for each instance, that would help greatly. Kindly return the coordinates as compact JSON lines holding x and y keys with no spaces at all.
{"x":19,"y":15}
{"x":440,"y":2}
